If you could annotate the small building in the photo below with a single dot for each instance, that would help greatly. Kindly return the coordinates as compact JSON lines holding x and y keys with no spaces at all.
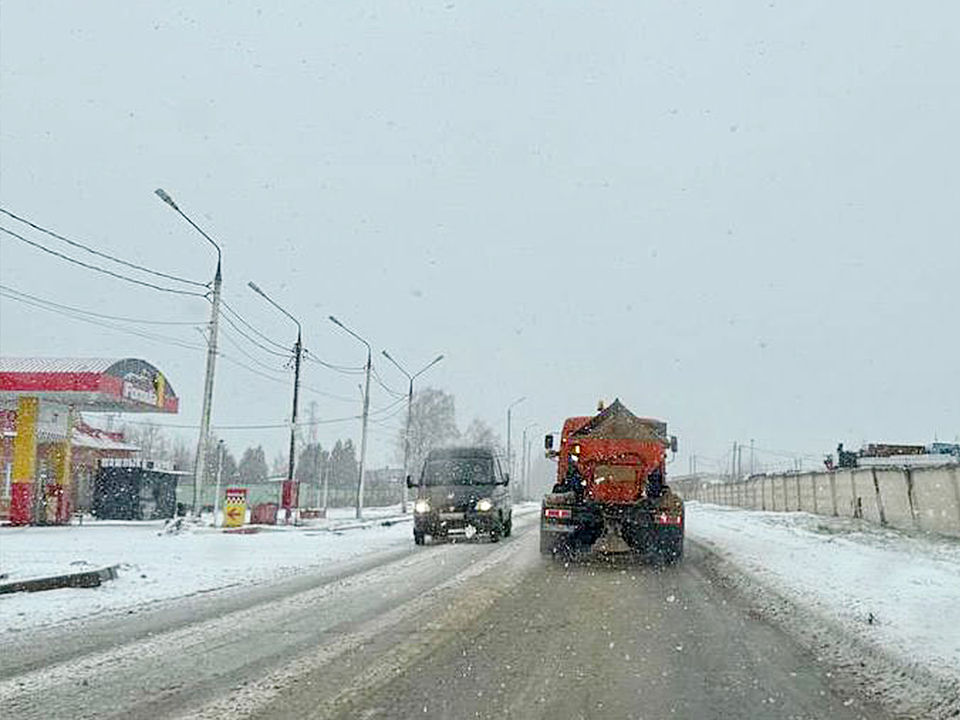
{"x":46,"y":397}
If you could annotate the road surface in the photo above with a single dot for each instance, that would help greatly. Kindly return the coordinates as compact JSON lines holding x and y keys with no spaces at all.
{"x":466,"y":630}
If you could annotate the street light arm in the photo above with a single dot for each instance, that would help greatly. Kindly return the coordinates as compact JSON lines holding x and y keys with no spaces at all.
{"x":256,"y":288}
{"x":346,"y":329}
{"x":398,"y":366}
{"x":428,"y":366}
{"x":162,"y":194}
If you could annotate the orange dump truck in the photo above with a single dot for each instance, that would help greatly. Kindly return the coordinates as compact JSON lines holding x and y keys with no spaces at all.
{"x":611,"y":493}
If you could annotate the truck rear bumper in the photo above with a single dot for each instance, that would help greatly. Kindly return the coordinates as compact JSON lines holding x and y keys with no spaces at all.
{"x":639,"y":529}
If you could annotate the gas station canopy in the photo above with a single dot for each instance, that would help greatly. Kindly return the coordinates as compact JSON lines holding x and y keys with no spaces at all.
{"x":90,"y":384}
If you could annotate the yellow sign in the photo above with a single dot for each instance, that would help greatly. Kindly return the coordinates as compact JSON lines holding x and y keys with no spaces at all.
{"x":235,"y":507}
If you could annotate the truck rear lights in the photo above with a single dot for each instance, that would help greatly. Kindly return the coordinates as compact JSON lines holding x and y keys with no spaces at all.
{"x":667,"y":519}
{"x":556,"y":513}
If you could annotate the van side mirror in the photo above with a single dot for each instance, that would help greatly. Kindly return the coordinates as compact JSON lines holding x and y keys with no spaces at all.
{"x":410,"y":482}
{"x":506,"y":478}
{"x":548,"y":442}
{"x":673,"y":443}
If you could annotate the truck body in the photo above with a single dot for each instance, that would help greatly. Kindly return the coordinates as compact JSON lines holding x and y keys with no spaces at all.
{"x":611,"y":493}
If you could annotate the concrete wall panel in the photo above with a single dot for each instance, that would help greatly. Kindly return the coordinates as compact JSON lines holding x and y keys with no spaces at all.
{"x":935,"y":494}
{"x":824,"y":499}
{"x":893,"y":495}
{"x":807,"y":495}
{"x":846,"y":500}
{"x":866,"y":494}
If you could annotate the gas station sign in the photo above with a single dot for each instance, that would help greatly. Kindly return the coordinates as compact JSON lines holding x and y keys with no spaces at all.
{"x":235,"y":507}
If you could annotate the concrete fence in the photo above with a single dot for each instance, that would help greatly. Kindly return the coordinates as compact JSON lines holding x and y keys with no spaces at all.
{"x":911,"y":498}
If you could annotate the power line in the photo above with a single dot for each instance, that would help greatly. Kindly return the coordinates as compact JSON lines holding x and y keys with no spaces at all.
{"x":388,"y":408}
{"x":250,"y":357}
{"x":97,"y":268}
{"x":250,"y":327}
{"x":271,"y":426}
{"x":376,"y":376}
{"x":136,"y":321}
{"x":166,"y":339}
{"x":345,"y":369}
{"x":260,"y":345}
{"x":98,"y":253}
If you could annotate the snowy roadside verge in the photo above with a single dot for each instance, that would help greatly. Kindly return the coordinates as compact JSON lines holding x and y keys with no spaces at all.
{"x":882,"y":605}
{"x":158,"y":566}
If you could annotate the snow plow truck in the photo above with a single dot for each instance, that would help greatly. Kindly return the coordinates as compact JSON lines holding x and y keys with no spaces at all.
{"x":611,"y":494}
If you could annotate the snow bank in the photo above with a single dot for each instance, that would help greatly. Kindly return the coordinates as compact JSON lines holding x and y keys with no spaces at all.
{"x":896,"y":590}
{"x":157,"y":566}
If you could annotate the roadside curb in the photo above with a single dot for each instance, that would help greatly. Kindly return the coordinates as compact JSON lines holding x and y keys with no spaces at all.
{"x":365,"y":524}
{"x":85,"y":579}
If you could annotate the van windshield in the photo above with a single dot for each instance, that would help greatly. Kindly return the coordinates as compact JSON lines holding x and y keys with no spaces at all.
{"x":458,"y":471}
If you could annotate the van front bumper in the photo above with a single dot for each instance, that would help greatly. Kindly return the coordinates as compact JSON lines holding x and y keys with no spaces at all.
{"x":436,"y":523}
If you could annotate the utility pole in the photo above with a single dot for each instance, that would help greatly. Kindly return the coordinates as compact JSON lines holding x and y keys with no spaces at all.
{"x":366,"y":412}
{"x":363,"y":434}
{"x":523,"y":467}
{"x":406,"y":430}
{"x":216,"y":498}
{"x":326,"y":482}
{"x":509,"y":452}
{"x":751,"y":456}
{"x":290,"y":495}
{"x":294,"y":490}
{"x":524,"y":455}
{"x":199,"y":467}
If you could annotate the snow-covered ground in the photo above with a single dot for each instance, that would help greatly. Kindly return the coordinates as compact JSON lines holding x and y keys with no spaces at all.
{"x":896,"y":591}
{"x":159,"y":565}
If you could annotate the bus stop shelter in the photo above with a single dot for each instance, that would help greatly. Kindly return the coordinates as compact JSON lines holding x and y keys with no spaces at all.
{"x":46,"y":394}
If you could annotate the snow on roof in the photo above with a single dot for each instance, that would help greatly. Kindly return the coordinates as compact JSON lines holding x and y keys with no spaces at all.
{"x":55,"y":365}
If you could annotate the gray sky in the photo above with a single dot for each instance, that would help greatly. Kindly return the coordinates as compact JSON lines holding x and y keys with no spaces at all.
{"x":739,"y":217}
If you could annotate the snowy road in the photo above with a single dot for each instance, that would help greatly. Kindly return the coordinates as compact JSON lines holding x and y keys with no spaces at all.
{"x":447,"y":631}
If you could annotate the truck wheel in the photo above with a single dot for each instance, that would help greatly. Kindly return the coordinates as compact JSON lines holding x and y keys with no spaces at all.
{"x":418,"y":538}
{"x":548,"y":545}
{"x":672,"y":550}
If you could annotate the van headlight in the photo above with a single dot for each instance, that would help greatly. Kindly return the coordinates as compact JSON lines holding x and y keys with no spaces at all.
{"x":421,"y":506}
{"x":485,"y":505}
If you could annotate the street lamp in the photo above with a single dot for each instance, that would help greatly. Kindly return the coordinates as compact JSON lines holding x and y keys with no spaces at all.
{"x":524,"y":461}
{"x":509,"y":455}
{"x":366,"y":413}
{"x":406,"y":432}
{"x":200,"y":465}
{"x":290,"y":495}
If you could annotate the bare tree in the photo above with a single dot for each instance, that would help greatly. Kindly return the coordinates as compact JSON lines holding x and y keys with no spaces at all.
{"x":433,"y":424}
{"x":479,"y":433}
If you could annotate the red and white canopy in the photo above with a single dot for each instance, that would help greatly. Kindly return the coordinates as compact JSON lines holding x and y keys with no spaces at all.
{"x":91,"y":384}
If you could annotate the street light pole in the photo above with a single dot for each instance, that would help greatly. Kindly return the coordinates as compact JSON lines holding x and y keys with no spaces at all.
{"x":406,"y":431}
{"x":290,"y":495}
{"x":200,"y":465}
{"x":366,"y":413}
{"x":509,"y":453}
{"x":525,"y":456}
